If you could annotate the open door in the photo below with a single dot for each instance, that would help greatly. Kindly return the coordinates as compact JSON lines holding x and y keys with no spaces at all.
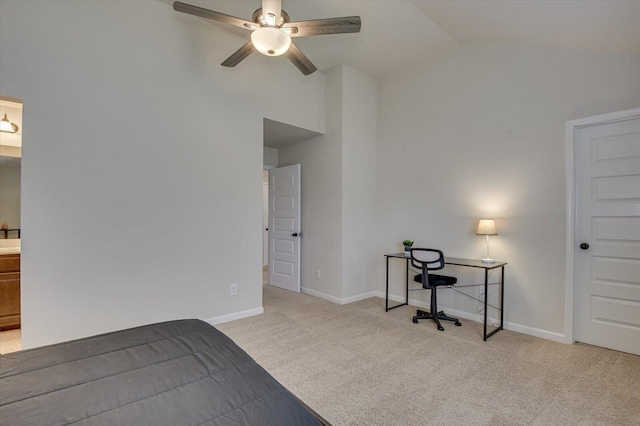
{"x":284,"y":227}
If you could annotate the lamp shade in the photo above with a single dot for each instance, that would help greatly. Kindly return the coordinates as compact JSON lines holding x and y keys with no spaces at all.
{"x":270,"y":41}
{"x":486,"y":227}
{"x":7,"y":126}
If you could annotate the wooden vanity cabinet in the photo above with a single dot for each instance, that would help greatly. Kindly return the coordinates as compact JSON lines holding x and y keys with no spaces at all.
{"x":9,"y":291}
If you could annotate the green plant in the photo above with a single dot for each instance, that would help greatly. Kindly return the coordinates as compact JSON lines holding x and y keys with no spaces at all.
{"x":407,"y":243}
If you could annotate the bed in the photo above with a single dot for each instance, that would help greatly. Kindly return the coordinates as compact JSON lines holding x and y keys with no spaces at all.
{"x":182,"y":372}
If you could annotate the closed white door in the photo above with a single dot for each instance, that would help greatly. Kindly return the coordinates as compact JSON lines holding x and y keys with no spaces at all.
{"x":607,"y":246}
{"x":284,"y":227}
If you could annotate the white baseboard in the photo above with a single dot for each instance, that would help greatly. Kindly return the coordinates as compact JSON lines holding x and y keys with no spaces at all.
{"x":235,"y":316}
{"x":531,"y":331}
{"x":338,"y":300}
{"x":321,"y":295}
{"x":536,"y":332}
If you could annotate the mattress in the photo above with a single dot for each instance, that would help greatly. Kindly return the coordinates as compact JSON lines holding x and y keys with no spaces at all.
{"x":182,"y":372}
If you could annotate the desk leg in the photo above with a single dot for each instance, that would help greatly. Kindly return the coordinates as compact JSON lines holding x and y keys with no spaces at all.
{"x":386,"y":297}
{"x":486,"y":296}
{"x":502,"y":298}
{"x":387,"y":308}
{"x":406,"y":283}
{"x":501,"y":305}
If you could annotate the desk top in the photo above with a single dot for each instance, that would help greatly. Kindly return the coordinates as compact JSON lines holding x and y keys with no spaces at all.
{"x":473,"y":263}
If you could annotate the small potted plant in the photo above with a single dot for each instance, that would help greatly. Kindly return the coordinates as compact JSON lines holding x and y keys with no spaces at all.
{"x":407,"y":246}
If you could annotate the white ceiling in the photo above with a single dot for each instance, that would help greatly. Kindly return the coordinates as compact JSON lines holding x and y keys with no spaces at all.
{"x":610,"y":25}
{"x":398,"y":33}
{"x":401,"y":33}
{"x":278,"y":135}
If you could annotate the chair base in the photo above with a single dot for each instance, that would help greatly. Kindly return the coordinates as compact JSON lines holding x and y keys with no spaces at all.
{"x":420,"y":315}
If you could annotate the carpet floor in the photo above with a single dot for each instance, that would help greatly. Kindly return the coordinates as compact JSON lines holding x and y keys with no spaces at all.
{"x":359,"y":365}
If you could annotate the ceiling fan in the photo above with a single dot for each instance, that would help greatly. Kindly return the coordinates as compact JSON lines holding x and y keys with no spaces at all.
{"x":272,"y":31}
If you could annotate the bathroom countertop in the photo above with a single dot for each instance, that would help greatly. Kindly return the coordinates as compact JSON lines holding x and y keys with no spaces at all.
{"x":9,"y":250}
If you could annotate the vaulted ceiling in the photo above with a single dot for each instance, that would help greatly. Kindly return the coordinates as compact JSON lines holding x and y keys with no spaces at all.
{"x":402,"y":33}
{"x":397,"y":34}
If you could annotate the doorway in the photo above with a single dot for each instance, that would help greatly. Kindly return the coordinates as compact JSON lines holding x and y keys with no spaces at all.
{"x":10,"y":220}
{"x":277,"y":136}
{"x":604,"y":250}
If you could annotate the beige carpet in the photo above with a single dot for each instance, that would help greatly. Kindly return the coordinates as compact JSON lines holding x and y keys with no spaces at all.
{"x":357,"y":365}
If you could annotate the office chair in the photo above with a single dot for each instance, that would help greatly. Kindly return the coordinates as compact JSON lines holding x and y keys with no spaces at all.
{"x":431,"y":260}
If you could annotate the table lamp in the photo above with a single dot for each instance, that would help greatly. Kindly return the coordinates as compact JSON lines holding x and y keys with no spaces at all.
{"x":487,"y":227}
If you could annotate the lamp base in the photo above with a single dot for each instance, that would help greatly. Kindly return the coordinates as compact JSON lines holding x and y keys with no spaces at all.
{"x":487,"y":260}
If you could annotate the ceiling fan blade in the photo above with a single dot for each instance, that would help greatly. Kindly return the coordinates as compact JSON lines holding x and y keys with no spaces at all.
{"x":271,"y":8}
{"x":347,"y":24}
{"x":210,"y":14}
{"x":299,"y":60}
{"x":239,"y":55}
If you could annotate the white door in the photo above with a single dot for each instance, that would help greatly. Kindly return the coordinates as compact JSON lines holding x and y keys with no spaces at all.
{"x":284,"y":227}
{"x":607,"y":246}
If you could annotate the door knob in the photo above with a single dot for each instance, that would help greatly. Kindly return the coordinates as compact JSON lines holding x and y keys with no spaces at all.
{"x":584,"y":246}
{"x":297,"y":234}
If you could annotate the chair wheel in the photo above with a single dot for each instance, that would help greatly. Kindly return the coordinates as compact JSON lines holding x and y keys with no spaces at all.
{"x":441,"y":328}
{"x":415,"y":321}
{"x":458,"y":323}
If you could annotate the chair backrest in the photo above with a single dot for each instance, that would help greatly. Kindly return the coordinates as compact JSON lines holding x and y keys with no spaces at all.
{"x":427,"y":259}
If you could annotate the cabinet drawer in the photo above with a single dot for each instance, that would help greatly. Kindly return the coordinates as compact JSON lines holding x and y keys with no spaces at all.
{"x":9,"y":300}
{"x":9,"y":263}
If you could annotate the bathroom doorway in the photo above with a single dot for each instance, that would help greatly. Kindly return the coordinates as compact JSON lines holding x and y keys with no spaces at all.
{"x":10,"y":221}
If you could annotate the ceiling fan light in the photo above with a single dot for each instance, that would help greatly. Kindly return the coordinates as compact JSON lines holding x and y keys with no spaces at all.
{"x":7,"y":126}
{"x":271,"y":19}
{"x":270,"y":41}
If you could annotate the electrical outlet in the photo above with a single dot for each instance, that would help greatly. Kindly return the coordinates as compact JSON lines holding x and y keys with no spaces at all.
{"x":233,"y":289}
{"x":317,"y":273}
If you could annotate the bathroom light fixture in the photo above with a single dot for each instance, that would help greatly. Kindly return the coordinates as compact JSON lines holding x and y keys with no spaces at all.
{"x":270,"y":41}
{"x":487,"y":227}
{"x":7,"y":126}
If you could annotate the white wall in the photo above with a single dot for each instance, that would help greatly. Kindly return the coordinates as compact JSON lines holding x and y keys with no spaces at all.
{"x":481,"y":133}
{"x":321,"y":197}
{"x":359,"y":148}
{"x":339,"y":190}
{"x":270,"y":157}
{"x":142,"y":160}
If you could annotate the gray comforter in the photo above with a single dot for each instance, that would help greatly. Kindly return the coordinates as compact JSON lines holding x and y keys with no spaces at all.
{"x":175,"y":373}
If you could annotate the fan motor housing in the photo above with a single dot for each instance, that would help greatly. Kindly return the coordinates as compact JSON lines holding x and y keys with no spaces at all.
{"x":259,"y":19}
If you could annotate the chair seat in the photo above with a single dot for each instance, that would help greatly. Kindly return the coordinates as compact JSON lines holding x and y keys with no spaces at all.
{"x":436,"y":280}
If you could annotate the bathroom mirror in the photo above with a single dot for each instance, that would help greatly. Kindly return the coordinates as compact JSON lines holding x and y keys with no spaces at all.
{"x":10,"y":197}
